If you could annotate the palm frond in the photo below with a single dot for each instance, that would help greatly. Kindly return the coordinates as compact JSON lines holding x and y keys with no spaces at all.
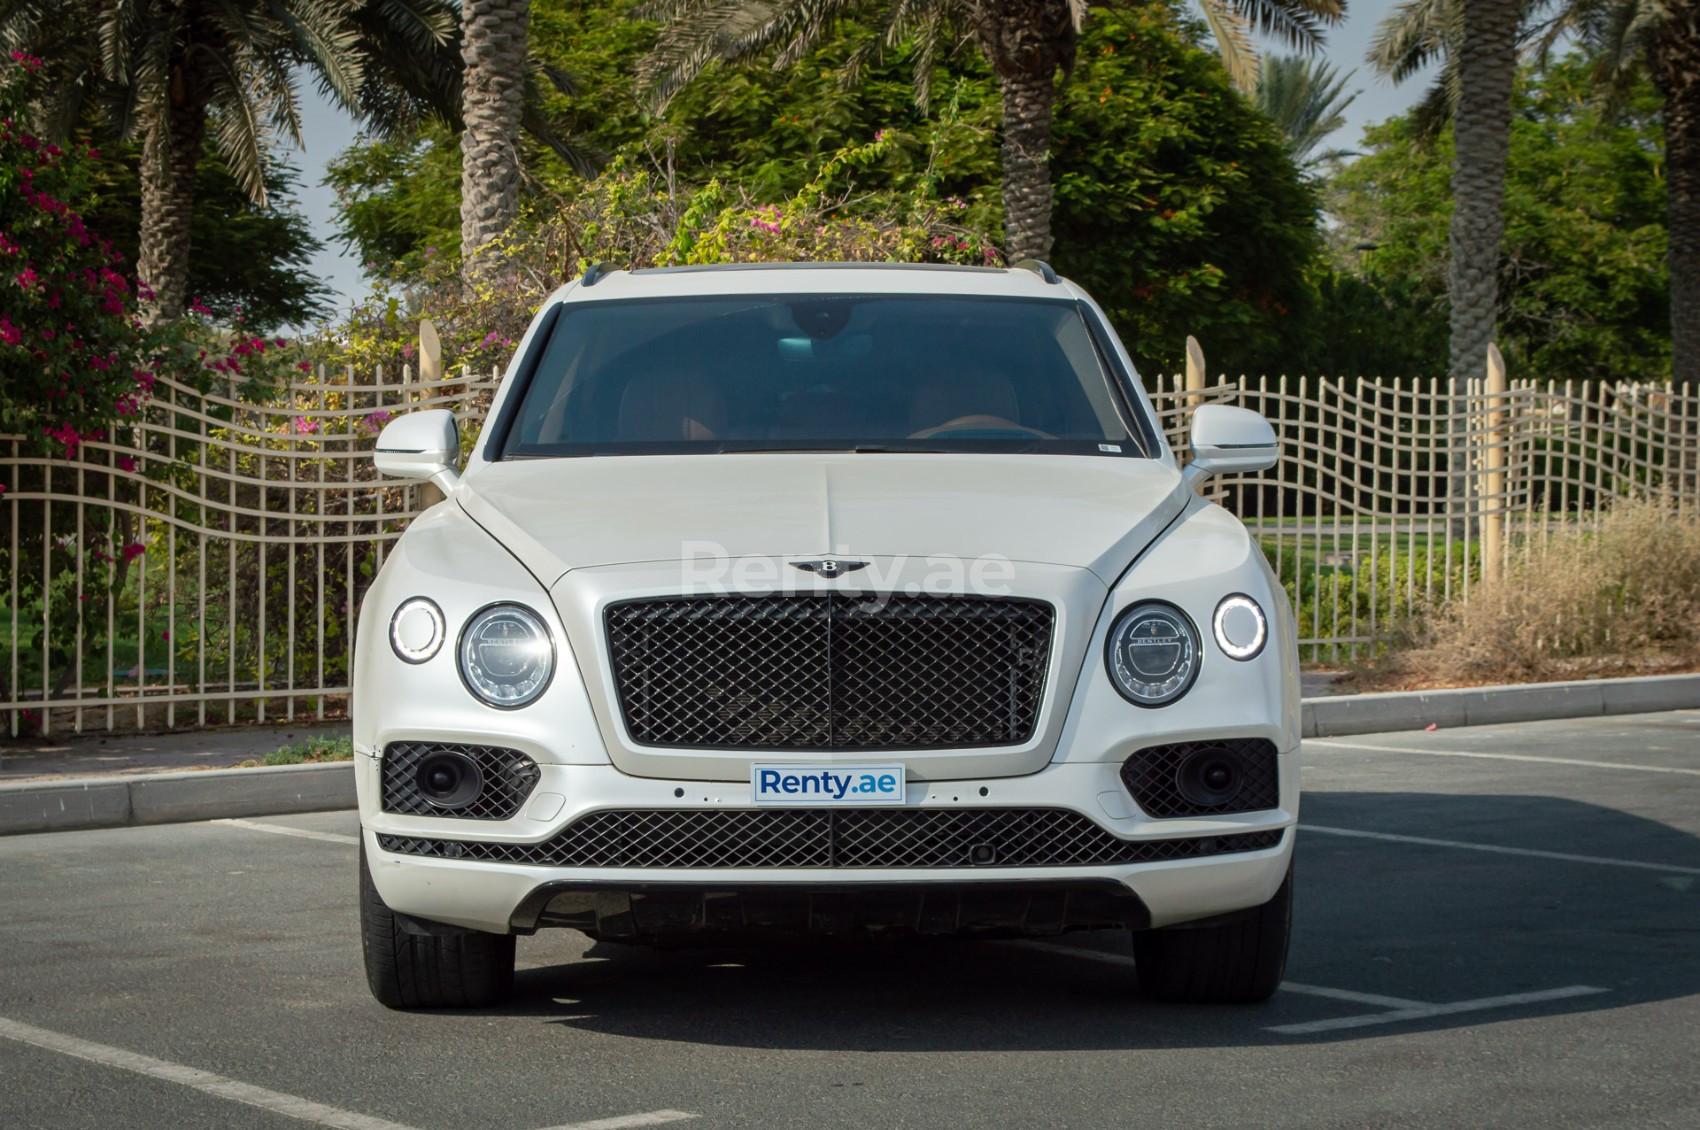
{"x":233,"y":113}
{"x":1414,"y":35}
{"x":1298,"y":23}
{"x":1233,"y":41}
{"x":1307,"y":100}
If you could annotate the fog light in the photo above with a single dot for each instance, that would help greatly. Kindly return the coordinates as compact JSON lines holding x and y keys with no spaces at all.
{"x":449,"y":780}
{"x":1211,"y":777}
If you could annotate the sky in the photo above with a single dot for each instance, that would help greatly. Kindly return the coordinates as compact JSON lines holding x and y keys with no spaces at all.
{"x":327,"y":131}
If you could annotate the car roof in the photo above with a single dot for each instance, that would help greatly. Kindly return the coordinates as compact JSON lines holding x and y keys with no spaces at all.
{"x":601,"y":284}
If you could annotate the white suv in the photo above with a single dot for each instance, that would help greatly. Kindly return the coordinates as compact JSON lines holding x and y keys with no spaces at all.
{"x":824,"y":599}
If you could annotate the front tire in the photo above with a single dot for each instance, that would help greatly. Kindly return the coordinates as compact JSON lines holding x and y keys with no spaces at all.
{"x":406,"y":970}
{"x":1238,"y":962}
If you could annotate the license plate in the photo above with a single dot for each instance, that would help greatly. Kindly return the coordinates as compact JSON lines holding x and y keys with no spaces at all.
{"x":826,"y":786}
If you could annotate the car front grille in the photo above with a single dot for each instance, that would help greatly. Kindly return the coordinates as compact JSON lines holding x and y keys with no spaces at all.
{"x":830,"y":672}
{"x":807,"y":837}
{"x":509,"y":777}
{"x":1152,"y":775}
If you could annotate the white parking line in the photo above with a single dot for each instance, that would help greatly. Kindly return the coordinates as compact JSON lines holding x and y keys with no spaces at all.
{"x":282,"y":830}
{"x":1286,"y":986}
{"x":205,"y":1081}
{"x":290,"y":1106}
{"x":621,"y":1122}
{"x":1496,"y":849}
{"x":1501,"y":757}
{"x":1427,"y":1011}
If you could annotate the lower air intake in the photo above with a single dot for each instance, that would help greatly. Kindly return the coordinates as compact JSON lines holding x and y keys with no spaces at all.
{"x":790,"y":838}
{"x":508,"y":776}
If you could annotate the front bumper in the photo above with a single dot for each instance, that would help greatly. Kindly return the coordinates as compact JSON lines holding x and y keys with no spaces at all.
{"x":1157,"y":873}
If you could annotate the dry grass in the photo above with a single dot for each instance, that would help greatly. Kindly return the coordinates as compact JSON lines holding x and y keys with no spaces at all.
{"x":1620,"y":599}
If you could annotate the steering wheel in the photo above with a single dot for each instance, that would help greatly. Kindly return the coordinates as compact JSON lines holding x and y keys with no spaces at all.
{"x":981,"y":427}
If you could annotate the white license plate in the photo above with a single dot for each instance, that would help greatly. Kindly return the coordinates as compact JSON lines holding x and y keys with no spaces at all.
{"x":826,"y":786}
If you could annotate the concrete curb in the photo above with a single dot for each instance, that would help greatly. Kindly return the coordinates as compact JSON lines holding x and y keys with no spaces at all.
{"x":1485,"y":706}
{"x":164,"y":798}
{"x":167,"y":798}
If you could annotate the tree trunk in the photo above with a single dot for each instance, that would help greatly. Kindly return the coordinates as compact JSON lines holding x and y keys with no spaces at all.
{"x":1487,"y":68}
{"x":1027,"y":193}
{"x":1676,"y":72}
{"x":168,"y":199}
{"x":493,"y":49}
{"x":1026,"y":41}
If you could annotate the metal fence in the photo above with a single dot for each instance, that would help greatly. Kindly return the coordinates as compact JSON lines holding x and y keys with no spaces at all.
{"x":202,"y":567}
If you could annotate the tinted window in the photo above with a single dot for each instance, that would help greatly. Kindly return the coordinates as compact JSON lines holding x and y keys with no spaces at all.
{"x":820,"y":372}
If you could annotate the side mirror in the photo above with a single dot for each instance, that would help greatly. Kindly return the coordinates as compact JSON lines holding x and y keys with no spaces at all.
{"x":421,"y":445}
{"x":1226,"y":440}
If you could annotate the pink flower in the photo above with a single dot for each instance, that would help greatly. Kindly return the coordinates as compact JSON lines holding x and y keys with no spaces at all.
{"x":134,"y":550}
{"x":9,"y":333}
{"x":27,"y":277}
{"x":304,"y":426}
{"x":125,"y":463}
{"x":304,"y":366}
{"x":66,"y":435}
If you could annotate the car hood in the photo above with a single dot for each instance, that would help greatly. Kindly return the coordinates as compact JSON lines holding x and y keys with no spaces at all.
{"x":557,"y":515}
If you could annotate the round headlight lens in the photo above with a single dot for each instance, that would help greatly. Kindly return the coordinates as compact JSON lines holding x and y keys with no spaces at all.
{"x":1152,"y":654}
{"x":1240,"y":627}
{"x":417,"y":630}
{"x":506,"y":655}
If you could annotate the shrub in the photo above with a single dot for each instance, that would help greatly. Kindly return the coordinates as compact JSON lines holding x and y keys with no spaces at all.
{"x":1618,"y":598}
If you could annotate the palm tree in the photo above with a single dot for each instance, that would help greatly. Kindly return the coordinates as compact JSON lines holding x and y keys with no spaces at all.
{"x":1664,"y":37}
{"x":1026,"y":42}
{"x":1477,"y":39}
{"x":493,"y":51}
{"x":1307,"y":101}
{"x":171,"y":72}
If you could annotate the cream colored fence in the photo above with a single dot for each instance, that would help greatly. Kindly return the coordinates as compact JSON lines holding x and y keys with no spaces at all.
{"x":203,"y":567}
{"x":1395,"y":495}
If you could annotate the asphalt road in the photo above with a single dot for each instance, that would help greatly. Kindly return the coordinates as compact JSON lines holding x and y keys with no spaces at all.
{"x":1495,"y":926}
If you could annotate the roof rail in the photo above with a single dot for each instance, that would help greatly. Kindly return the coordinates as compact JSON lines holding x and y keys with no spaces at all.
{"x":597,"y":270}
{"x":1038,"y":267}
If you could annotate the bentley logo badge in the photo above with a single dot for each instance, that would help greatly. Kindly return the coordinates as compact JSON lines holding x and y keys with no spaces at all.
{"x":830,"y":567}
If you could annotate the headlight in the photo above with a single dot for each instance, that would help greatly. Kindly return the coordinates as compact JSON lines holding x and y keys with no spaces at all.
{"x":1240,"y":627}
{"x":417,"y":630}
{"x":1152,"y":654}
{"x":506,"y":655}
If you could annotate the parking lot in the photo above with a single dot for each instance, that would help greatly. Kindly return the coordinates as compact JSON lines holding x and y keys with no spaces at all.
{"x":1494,"y":926}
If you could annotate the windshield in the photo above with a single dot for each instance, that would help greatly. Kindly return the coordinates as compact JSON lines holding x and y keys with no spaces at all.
{"x":819,"y":372}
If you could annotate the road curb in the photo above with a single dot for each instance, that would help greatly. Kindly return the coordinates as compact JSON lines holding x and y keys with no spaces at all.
{"x":1332,"y":717}
{"x":165,"y":798}
{"x":169,"y":798}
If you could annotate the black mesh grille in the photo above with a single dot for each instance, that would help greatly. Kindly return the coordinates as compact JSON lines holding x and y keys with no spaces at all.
{"x":509,"y":777}
{"x":1151,"y":775}
{"x":830,"y":672}
{"x":806,"y":837}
